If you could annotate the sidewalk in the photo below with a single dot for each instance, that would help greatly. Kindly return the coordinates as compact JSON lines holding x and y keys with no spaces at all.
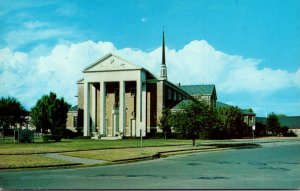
{"x":73,"y":159}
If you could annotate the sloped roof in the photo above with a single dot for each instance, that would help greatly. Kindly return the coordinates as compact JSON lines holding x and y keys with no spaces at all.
{"x":182,"y":104}
{"x":262,"y":120}
{"x":221,"y":104}
{"x":243,"y":111}
{"x":289,"y":121}
{"x":199,"y":89}
{"x":74,"y":108}
{"x":247,"y":112}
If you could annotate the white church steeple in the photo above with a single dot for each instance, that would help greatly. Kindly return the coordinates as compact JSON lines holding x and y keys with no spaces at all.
{"x":163,"y":67}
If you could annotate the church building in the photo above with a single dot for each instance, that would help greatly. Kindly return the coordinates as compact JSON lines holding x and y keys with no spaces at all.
{"x":117,"y":98}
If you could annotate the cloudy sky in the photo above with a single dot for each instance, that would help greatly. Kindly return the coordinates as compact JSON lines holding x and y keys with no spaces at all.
{"x":250,"y":49}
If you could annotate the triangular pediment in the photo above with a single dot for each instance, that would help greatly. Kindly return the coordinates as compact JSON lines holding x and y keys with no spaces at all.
{"x":111,"y":62}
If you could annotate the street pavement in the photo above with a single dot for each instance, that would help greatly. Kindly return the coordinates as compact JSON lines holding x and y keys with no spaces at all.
{"x":274,"y":166}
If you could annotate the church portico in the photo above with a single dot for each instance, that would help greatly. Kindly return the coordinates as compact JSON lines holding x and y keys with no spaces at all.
{"x":115,"y":101}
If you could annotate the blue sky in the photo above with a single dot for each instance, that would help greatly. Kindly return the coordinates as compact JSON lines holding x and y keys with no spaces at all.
{"x":249,"y":48}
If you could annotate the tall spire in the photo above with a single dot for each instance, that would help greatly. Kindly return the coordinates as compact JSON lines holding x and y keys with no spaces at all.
{"x":163,"y":67}
{"x":163,"y":62}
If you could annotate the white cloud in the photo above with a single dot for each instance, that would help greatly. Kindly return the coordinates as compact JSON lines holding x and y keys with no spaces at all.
{"x":200,"y":63}
{"x":297,"y":78}
{"x":34,"y":24}
{"x":67,"y":10}
{"x":33,"y":34}
{"x":27,"y":76}
{"x":36,"y":32}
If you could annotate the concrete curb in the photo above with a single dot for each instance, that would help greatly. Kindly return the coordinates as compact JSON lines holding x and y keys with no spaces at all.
{"x":41,"y":166}
{"x":186,"y":151}
{"x":167,"y":153}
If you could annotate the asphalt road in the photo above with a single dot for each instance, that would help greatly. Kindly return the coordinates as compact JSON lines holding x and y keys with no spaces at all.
{"x":274,"y":166}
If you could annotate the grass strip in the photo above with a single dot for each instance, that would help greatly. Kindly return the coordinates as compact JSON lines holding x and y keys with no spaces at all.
{"x":30,"y":161}
{"x":82,"y":145}
{"x":113,"y":155}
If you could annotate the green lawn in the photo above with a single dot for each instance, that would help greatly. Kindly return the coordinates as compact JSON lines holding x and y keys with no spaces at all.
{"x":28,"y":161}
{"x":23,"y":155}
{"x":9,"y":147}
{"x":128,"y":153}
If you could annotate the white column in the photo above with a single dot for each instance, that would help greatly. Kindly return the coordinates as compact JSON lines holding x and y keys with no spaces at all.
{"x":94,"y":107}
{"x":144,"y":109}
{"x":138,"y":106}
{"x":102,"y":108}
{"x":122,"y":107}
{"x":86,"y":118}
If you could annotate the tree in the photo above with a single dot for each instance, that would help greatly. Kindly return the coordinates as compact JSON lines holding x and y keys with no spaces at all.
{"x":165,"y":121}
{"x":281,"y":115}
{"x":193,"y":120}
{"x":50,"y":113}
{"x":231,"y":122}
{"x":250,"y":110}
{"x":11,"y":112}
{"x":273,"y":124}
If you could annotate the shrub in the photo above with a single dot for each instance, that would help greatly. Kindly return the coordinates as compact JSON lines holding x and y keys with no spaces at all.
{"x":47,"y":138}
{"x":8,"y":132}
{"x":26,"y":136}
{"x":290,"y":133}
{"x":68,"y":134}
{"x":56,"y":138}
{"x":83,"y":137}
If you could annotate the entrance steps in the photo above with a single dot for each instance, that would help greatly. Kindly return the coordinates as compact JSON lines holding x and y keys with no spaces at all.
{"x":111,"y":138}
{"x":96,"y":135}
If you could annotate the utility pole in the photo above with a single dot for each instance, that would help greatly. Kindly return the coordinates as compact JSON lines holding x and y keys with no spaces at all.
{"x":253,"y":129}
{"x":141,"y":141}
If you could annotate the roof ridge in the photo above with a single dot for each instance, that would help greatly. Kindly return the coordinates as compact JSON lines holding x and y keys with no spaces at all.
{"x":111,"y":54}
{"x":199,"y":85}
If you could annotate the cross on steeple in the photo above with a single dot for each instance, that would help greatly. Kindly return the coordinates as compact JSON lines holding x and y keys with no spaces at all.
{"x":163,"y":68}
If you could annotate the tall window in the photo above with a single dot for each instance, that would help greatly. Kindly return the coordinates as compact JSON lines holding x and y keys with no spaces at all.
{"x":175,"y":96}
{"x":169,"y":94}
{"x":75,"y":121}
